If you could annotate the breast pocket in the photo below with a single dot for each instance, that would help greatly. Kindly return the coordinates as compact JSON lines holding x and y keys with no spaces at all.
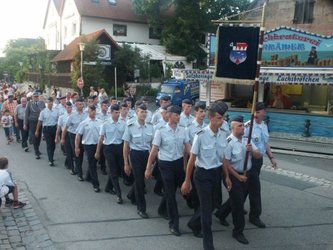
{"x":236,"y":155}
{"x":148,"y":136}
{"x":208,"y":151}
{"x":109,"y":132}
{"x":136,"y":138}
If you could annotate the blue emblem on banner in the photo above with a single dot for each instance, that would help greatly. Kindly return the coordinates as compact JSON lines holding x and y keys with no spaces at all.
{"x":238,"y":52}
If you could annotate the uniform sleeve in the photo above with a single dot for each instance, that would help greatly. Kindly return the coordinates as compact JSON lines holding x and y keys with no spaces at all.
{"x":196,"y":145}
{"x":40,"y":117}
{"x":127,"y":136}
{"x":157,"y":138}
{"x":60,"y":121}
{"x":265,"y":134}
{"x":227,"y":152}
{"x":80,"y":128}
{"x":187,"y":137}
{"x":102,"y":130}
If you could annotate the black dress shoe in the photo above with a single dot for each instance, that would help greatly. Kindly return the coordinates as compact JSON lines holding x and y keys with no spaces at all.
{"x":164,"y":215}
{"x":73,"y":173}
{"x":97,"y":190}
{"x":119,"y":200}
{"x":175,"y":231}
{"x":112,"y":191}
{"x":257,"y":222}
{"x":143,"y":215}
{"x":26,"y":149}
{"x":195,"y":231}
{"x":80,"y":178}
{"x":37,"y":157}
{"x":224,"y":222}
{"x":51,"y":164}
{"x":240,"y":238}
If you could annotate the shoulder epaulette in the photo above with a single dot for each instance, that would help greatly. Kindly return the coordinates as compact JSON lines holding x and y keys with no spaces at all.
{"x":229,"y":139}
{"x":149,"y":123}
{"x":130,"y":124}
{"x":199,"y":132}
{"x":163,"y":126}
{"x":181,"y":125}
{"x":189,"y":125}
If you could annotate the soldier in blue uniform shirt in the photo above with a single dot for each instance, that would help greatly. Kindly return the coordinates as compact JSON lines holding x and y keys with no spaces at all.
{"x":164,"y":102}
{"x":72,"y":123}
{"x":88,"y":133}
{"x":111,"y":134}
{"x":168,"y":143}
{"x":234,"y":161}
{"x":137,"y":138}
{"x":185,"y":117}
{"x":48,"y":118}
{"x":207,"y":153}
{"x":260,"y":138}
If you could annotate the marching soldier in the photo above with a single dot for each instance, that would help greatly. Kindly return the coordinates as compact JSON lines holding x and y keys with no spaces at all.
{"x":164,"y":102}
{"x":168,"y":143}
{"x":185,"y":117}
{"x":88,"y":133}
{"x":72,"y":123}
{"x":67,"y":146}
{"x":207,"y":153}
{"x":234,"y":161}
{"x":32,"y":112}
{"x":260,"y":138}
{"x":110,"y":141}
{"x":137,"y":144}
{"x":48,"y":118}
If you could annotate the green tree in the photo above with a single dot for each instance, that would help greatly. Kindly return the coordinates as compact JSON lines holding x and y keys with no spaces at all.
{"x":17,"y":57}
{"x":92,"y":74}
{"x":127,"y":60}
{"x":183,"y":31}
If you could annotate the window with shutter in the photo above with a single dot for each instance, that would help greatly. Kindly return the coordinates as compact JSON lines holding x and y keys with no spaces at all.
{"x":304,"y":11}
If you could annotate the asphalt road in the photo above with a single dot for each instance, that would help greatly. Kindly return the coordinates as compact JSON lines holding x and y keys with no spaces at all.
{"x":297,"y":208}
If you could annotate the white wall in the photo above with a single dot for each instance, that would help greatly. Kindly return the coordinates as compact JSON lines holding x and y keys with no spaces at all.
{"x":52,"y":29}
{"x":70,"y":16}
{"x":136,"y":32}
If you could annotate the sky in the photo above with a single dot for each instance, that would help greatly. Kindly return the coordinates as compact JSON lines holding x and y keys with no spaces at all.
{"x":21,"y":19}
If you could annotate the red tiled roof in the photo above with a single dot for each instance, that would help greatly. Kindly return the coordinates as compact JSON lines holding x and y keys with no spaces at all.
{"x":123,"y":10}
{"x":71,"y":49}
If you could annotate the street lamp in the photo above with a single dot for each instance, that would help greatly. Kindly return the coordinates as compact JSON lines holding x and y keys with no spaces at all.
{"x":81,"y":45}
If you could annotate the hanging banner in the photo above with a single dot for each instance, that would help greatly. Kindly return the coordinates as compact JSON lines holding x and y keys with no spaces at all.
{"x":237,"y":49}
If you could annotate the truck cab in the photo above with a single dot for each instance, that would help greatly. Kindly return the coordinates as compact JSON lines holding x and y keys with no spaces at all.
{"x":178,"y":90}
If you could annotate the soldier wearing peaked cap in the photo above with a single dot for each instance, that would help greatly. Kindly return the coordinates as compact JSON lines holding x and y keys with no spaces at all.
{"x":207,"y":153}
{"x":137,"y":138}
{"x":260,"y":138}
{"x":32,"y":112}
{"x":168,"y":143}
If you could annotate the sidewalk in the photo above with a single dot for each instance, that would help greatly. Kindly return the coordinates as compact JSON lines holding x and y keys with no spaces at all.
{"x":292,"y":142}
{"x":21,"y":228}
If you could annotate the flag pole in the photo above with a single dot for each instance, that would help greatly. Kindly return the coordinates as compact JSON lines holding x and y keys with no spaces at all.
{"x":256,"y":83}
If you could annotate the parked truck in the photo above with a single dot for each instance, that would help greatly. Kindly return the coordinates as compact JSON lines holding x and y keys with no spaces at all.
{"x":179,"y":90}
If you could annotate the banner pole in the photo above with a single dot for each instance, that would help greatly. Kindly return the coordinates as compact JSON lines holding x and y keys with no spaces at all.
{"x":256,"y":83}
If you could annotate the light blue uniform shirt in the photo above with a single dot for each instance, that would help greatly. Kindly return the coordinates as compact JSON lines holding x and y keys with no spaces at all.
{"x":160,"y":124}
{"x":260,"y":136}
{"x":209,"y":148}
{"x":139,"y":136}
{"x":62,"y":121}
{"x":186,"y":120}
{"x":235,"y":153}
{"x":193,"y":128}
{"x":156,"y":117}
{"x":103,"y":116}
{"x":89,"y":130}
{"x":170,"y":142}
{"x":49,"y":117}
{"x":113,"y":131}
{"x":61,"y":109}
{"x":74,"y":120}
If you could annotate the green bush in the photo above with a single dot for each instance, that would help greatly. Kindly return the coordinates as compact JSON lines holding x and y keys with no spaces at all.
{"x":145,"y":90}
